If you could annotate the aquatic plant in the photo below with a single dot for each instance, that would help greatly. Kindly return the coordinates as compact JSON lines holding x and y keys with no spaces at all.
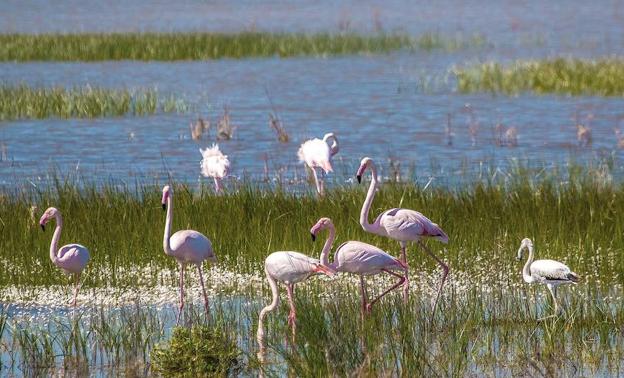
{"x":201,"y":350}
{"x":602,"y":77}
{"x":22,"y":101}
{"x":202,"y":46}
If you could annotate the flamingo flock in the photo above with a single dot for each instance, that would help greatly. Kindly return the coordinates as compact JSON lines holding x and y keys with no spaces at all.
{"x":190,"y":247}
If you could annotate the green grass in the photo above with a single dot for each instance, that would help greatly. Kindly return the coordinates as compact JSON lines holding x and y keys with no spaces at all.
{"x":24,"y":102}
{"x":601,"y":77}
{"x":203,"y":46}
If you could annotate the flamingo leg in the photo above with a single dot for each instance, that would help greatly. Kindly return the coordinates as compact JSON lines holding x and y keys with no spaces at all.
{"x":201,"y":280}
{"x":76,"y":288}
{"x":363,"y":291}
{"x":399,"y":283}
{"x":292,"y":316}
{"x":217,"y":182}
{"x":319,"y":189}
{"x":181,"y":293}
{"x":406,"y":284}
{"x":553,"y":292}
{"x":445,"y":269}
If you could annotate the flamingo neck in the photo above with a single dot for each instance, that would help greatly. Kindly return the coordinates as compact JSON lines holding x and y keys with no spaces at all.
{"x":269,"y":308}
{"x":333,"y":148}
{"x":526,"y":271}
{"x":56,"y":237}
{"x":369,"y":201}
{"x":166,"y":243}
{"x":328,"y":245}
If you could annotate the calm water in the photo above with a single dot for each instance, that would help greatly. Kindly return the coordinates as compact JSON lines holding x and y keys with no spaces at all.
{"x":391,"y":106}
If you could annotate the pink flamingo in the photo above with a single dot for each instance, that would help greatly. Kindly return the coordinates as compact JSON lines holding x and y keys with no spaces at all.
{"x":359,"y":258}
{"x":290,"y":268}
{"x":403,"y":225}
{"x":187,"y":247}
{"x":214,"y":164}
{"x":71,"y":258}
{"x":317,"y":153}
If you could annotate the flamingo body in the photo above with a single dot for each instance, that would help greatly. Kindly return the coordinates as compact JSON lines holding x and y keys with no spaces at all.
{"x":72,"y":258}
{"x":408,"y":225}
{"x":191,"y":247}
{"x":214,"y":164}
{"x":317,"y":153}
{"x":361,"y":258}
{"x":290,"y":267}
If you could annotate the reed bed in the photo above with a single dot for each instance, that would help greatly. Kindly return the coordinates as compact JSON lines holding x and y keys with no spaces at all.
{"x":576,"y":77}
{"x":203,"y":46}
{"x":23,"y":102}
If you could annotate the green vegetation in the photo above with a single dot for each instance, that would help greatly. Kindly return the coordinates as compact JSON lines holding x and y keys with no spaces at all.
{"x":197,"y":351}
{"x":21,"y":102}
{"x":202,"y":46}
{"x":603,"y":77}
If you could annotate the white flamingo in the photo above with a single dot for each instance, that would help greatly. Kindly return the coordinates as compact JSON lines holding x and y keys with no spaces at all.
{"x":71,"y":258}
{"x":290,"y":268}
{"x":317,"y":153}
{"x":214,"y":164}
{"x":547,"y":272}
{"x":187,"y":247}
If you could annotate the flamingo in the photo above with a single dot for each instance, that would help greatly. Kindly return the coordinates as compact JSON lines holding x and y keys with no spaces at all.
{"x":290,"y":268}
{"x":317,"y":153}
{"x":70,"y":258}
{"x":214,"y":164}
{"x":548,"y":272}
{"x":187,"y":247}
{"x":403,"y":225}
{"x":359,"y":258}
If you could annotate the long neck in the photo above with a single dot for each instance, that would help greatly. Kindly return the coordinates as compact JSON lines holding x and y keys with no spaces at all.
{"x":334,"y":146}
{"x":328,"y":245}
{"x":526,"y":271}
{"x":56,"y":237}
{"x":166,"y":244}
{"x":269,"y":308}
{"x":368,"y":202}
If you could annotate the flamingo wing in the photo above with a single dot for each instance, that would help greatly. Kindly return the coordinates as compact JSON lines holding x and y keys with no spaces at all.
{"x":552,"y":271}
{"x":316,"y":153}
{"x":405,"y":224}
{"x":72,"y":258}
{"x":290,"y":267}
{"x":214,"y":163}
{"x":190,"y":246}
{"x":362,"y":258}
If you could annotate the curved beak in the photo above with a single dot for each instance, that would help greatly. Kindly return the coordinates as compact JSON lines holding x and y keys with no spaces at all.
{"x":359,"y":178}
{"x":324,"y":270}
{"x":519,"y":257}
{"x":42,"y":227}
{"x":164,"y":205}
{"x":313,"y":236}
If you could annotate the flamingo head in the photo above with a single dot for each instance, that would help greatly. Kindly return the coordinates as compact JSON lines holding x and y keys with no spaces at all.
{"x":365,"y":163}
{"x":322,"y":269}
{"x":322,"y":224}
{"x":50,"y":213}
{"x":166,"y":193}
{"x":525,"y":244}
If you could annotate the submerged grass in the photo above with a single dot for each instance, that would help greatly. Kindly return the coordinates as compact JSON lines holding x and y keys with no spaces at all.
{"x":23,"y":102}
{"x":602,"y":77}
{"x":202,"y":46}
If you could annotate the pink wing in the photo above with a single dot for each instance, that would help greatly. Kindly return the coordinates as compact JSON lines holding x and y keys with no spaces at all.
{"x":72,"y":258}
{"x":405,"y":224}
{"x":362,"y":258}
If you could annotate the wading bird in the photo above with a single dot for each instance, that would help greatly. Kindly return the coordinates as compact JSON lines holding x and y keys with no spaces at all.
{"x":214,"y":164}
{"x":187,"y":247}
{"x":317,"y":153}
{"x":289,"y":268}
{"x":548,"y":272}
{"x":403,"y":225}
{"x":359,"y":258}
{"x":71,"y":258}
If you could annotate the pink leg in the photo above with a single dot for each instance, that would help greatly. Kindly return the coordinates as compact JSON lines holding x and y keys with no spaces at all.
{"x":363,"y":291}
{"x":181,"y":294}
{"x":292,"y":317}
{"x":217,"y":182}
{"x":401,"y":282}
{"x":319,"y":189}
{"x":201,"y":280}
{"x":76,"y":288}
{"x":445,"y":269}
{"x":406,"y":284}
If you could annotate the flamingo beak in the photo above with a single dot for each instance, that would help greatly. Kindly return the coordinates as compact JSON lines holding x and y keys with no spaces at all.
{"x":313,"y":236}
{"x":42,"y":227}
{"x":164,"y":206}
{"x":359,"y":178}
{"x":324,"y":270}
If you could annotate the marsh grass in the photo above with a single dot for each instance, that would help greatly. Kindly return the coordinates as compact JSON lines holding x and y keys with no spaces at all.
{"x":600,"y":77}
{"x":24,"y":102}
{"x":203,"y":46}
